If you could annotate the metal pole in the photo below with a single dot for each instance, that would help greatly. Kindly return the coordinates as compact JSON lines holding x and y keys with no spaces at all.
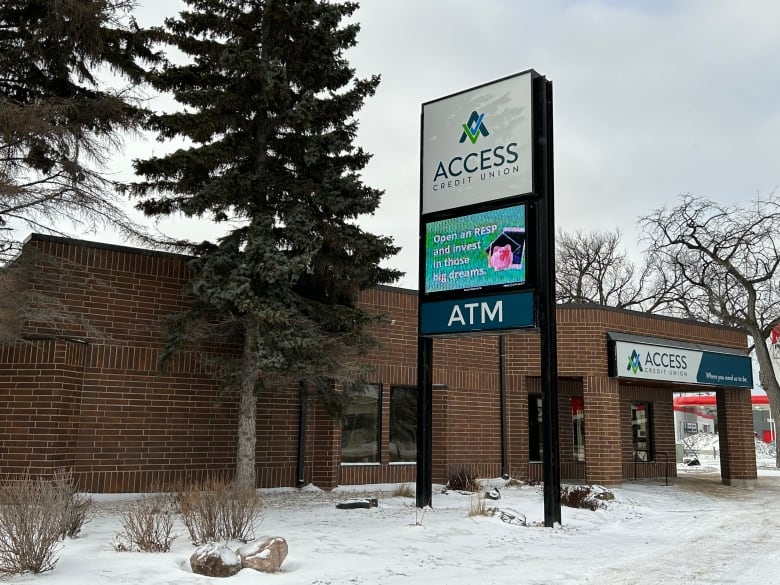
{"x":502,"y":398}
{"x":547,"y":317}
{"x":424,"y":487}
{"x":302,"y":415}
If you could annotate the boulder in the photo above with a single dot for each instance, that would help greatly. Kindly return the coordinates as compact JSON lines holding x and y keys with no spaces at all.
{"x":511,"y":516}
{"x":215,"y":560}
{"x":352,"y":504}
{"x":265,"y":554}
{"x":493,"y":494}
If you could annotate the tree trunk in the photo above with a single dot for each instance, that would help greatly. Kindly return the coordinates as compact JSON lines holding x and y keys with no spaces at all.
{"x":246,"y":475}
{"x":768,"y":381}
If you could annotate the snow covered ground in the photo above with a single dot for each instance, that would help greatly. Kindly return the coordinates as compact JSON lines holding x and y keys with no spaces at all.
{"x":693,"y":531}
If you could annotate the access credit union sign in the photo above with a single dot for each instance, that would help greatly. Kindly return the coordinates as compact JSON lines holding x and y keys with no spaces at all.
{"x":676,"y":362}
{"x":477,"y":145}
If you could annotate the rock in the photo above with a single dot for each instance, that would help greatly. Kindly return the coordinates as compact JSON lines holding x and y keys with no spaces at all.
{"x":511,"y":516}
{"x":351,"y":504}
{"x":265,"y":554}
{"x":215,"y":560}
{"x":493,"y":494}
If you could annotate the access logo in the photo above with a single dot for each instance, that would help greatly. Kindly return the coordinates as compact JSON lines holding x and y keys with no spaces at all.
{"x":473,"y":128}
{"x":460,"y":169}
{"x":635,"y":362}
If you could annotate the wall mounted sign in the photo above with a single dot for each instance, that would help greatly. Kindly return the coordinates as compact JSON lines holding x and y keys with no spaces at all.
{"x":679,"y":362}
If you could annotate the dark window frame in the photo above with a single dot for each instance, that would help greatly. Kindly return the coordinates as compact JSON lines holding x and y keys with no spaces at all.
{"x":642,"y":432}
{"x":395,"y":454}
{"x":350,"y":419}
{"x":578,"y":449}
{"x":535,"y":429}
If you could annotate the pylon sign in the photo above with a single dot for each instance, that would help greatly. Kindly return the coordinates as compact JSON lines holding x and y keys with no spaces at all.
{"x":478,"y":222}
{"x":487,"y":241}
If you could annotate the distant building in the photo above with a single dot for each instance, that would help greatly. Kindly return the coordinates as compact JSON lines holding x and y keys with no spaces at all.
{"x":698,"y":413}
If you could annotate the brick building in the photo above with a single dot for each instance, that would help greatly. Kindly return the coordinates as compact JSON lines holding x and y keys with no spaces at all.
{"x":83,"y":392}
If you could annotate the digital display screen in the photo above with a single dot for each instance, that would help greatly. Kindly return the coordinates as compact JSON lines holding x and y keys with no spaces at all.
{"x":479,"y":250}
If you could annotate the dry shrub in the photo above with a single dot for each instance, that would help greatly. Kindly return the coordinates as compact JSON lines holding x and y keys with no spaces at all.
{"x":216,"y":510}
{"x":35,"y":514}
{"x":78,"y":507}
{"x":479,"y":507}
{"x":404,"y":490}
{"x":463,"y":479}
{"x":579,"y":496}
{"x":147,"y":525}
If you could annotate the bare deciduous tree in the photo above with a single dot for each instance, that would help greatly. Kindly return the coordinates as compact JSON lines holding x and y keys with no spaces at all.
{"x":592,"y":267}
{"x":726,"y":258}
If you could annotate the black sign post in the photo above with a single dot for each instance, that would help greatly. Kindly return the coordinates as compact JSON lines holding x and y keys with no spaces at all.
{"x":543,"y":170}
{"x":424,"y":487}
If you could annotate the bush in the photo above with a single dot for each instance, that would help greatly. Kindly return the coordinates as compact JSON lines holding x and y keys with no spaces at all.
{"x":579,"y":497}
{"x":404,"y":490}
{"x":147,"y":526}
{"x":77,"y":506}
{"x":462,"y":479}
{"x":216,"y":510}
{"x":478,"y":506}
{"x":35,"y":514}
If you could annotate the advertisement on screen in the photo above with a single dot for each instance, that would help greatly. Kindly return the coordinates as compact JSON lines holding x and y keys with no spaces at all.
{"x":476,"y":251}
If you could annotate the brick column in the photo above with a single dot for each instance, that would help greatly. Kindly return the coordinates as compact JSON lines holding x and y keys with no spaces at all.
{"x":737,"y":444}
{"x":40,"y":394}
{"x":324,"y":439}
{"x":603,"y":443}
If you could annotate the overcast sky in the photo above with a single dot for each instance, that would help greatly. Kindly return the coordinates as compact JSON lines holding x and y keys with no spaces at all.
{"x":651,"y":99}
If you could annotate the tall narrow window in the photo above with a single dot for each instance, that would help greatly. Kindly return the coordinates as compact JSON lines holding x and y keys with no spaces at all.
{"x":641,"y":431}
{"x":535,"y":427}
{"x":578,"y":427}
{"x":360,"y":429}
{"x":403,"y":424}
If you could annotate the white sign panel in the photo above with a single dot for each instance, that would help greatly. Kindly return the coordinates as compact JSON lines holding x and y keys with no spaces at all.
{"x":477,"y":145}
{"x":649,"y":362}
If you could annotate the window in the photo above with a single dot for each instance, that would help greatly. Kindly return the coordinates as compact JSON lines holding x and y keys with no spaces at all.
{"x":578,"y":428}
{"x":360,"y":428}
{"x":535,"y":427}
{"x":641,"y":431}
{"x":403,"y":424}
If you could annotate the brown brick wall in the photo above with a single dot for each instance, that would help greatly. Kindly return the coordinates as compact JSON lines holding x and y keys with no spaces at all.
{"x":40,"y":392}
{"x":100,"y":406}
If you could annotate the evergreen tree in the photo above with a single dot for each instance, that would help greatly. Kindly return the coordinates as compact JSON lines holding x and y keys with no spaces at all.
{"x":58,"y":123}
{"x":269,"y":112}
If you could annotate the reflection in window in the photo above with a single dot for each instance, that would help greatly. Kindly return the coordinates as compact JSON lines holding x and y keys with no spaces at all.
{"x":641,"y":431}
{"x":403,"y":424}
{"x":535,"y":427}
{"x":360,"y":434}
{"x":578,"y":427}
